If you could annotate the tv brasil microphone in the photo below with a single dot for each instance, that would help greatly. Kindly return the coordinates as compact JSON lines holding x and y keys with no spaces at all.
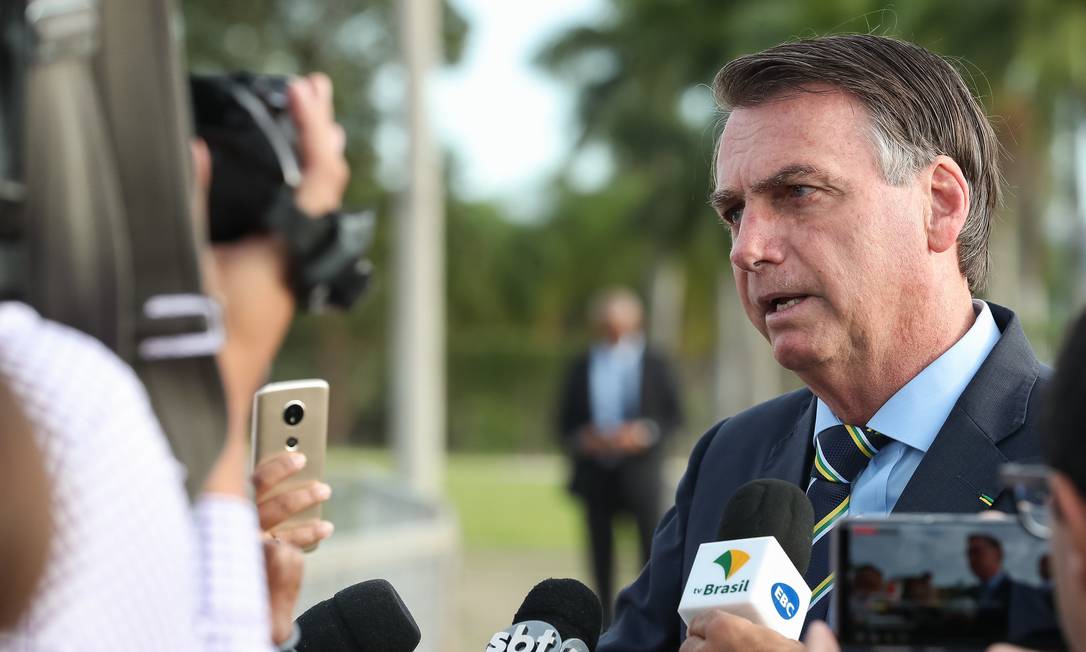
{"x":556,"y":616}
{"x":755,"y":567}
{"x":366,"y":617}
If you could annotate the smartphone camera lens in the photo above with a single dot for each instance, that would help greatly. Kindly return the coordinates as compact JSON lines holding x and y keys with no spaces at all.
{"x":292,"y":443}
{"x":294,"y":413}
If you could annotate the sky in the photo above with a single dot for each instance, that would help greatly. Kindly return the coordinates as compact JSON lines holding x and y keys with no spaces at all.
{"x":509,"y":124}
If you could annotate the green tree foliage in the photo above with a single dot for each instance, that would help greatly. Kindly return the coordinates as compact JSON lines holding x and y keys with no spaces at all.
{"x":633,"y":73}
{"x":517,"y":292}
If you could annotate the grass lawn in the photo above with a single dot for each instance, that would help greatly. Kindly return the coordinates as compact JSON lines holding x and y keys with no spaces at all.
{"x":506,"y":502}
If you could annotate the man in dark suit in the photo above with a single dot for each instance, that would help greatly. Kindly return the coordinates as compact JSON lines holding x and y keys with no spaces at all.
{"x":992,"y":594}
{"x":618,"y":405}
{"x":858,"y":177}
{"x":1006,"y":609}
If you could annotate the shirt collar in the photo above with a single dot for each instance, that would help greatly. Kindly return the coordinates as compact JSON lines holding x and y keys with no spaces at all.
{"x":632,"y":344}
{"x":995,"y":580}
{"x":915,"y":414}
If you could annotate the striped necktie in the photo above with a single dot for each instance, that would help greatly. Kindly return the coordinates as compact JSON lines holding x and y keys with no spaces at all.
{"x":841,"y":453}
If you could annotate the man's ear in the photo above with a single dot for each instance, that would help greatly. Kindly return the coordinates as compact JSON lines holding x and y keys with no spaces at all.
{"x":1070,"y":506}
{"x":948,"y":194}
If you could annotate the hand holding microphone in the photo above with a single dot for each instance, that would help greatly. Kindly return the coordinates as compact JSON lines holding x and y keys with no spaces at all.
{"x":722,"y":631}
{"x":746,"y":590}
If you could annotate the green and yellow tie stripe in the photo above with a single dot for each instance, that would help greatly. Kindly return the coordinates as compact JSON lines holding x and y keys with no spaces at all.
{"x":822,"y":589}
{"x":861,"y":442}
{"x":830,"y":519}
{"x":825,"y":469}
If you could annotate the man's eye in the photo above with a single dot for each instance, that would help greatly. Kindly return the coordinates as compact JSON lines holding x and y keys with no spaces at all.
{"x":800,"y":192}
{"x":732,"y":215}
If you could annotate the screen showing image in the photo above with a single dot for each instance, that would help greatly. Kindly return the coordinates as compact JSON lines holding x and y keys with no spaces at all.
{"x":956,"y":584}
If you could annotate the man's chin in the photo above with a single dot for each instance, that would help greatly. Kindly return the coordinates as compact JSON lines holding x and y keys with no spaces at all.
{"x":794,"y":355}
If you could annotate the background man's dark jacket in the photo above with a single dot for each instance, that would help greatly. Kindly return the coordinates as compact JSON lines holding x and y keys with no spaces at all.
{"x":659,"y":403}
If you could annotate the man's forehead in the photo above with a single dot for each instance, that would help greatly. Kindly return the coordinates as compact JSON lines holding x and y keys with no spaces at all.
{"x":805,"y":103}
{"x":827,"y":130}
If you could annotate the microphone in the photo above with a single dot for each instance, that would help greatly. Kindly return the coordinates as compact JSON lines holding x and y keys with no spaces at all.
{"x":366,"y":617}
{"x":556,"y":616}
{"x":755,"y":568}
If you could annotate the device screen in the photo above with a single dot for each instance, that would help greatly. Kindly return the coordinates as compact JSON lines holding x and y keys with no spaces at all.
{"x":943,"y":582}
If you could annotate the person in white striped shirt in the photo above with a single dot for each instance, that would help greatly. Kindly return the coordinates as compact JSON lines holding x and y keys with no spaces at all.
{"x":131,"y":564}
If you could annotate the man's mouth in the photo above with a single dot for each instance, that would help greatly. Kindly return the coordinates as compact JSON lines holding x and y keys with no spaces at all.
{"x":780,"y":304}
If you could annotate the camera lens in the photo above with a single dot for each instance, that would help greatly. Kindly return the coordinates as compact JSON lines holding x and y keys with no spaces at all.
{"x":292,"y":442}
{"x":293,"y":413}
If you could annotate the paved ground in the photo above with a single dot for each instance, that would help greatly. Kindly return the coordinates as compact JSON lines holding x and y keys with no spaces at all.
{"x":496,"y":557}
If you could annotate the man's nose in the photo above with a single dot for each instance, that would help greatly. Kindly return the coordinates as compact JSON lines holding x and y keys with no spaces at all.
{"x":757,"y":242}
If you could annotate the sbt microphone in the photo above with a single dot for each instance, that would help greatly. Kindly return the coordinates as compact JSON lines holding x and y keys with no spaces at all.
{"x":366,"y":617}
{"x":556,"y":616}
{"x":755,"y":568}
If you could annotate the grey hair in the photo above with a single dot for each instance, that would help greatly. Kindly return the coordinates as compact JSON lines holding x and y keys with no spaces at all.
{"x":919,"y":106}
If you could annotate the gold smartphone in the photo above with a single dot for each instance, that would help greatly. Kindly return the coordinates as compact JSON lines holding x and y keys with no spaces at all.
{"x":293,"y":416}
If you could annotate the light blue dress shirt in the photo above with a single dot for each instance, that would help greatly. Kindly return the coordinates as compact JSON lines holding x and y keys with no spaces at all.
{"x":914,"y":415}
{"x":614,"y":382}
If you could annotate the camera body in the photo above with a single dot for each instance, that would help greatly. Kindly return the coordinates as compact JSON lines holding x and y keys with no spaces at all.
{"x":245,"y":120}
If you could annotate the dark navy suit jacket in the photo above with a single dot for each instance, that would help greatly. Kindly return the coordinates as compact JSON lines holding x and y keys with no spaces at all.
{"x":993,"y":422}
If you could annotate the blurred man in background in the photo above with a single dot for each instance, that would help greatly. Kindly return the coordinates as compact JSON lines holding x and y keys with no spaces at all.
{"x":993,"y":593}
{"x":620,"y":402}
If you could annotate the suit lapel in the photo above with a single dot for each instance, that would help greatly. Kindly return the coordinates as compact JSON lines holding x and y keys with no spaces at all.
{"x":789,"y":459}
{"x":957,"y":472}
{"x":960,"y":472}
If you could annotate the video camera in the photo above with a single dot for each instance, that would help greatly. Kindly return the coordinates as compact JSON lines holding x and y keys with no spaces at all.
{"x":246,"y":122}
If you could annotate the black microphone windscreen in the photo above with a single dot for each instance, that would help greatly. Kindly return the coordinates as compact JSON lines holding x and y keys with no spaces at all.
{"x":567,"y":605}
{"x":771,"y":508}
{"x":366,"y":617}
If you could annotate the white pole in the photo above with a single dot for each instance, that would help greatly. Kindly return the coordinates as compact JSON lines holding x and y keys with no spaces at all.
{"x":418,"y":363}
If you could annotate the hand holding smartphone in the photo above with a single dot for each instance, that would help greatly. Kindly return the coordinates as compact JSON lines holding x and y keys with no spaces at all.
{"x":291,"y":417}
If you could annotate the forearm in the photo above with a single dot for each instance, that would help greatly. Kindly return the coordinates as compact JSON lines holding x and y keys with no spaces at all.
{"x":233,"y":598}
{"x":230,"y":475}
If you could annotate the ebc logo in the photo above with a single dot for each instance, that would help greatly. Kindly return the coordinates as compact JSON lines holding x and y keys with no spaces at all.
{"x":731,"y":561}
{"x":785,"y":600}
